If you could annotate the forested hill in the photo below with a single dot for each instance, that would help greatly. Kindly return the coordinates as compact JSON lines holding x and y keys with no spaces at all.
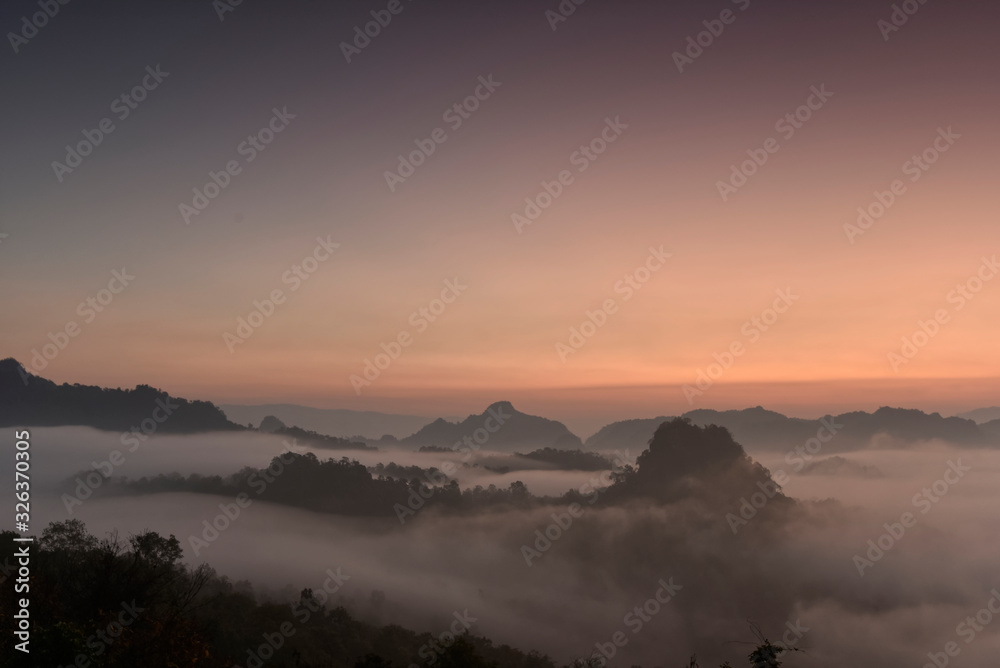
{"x":27,"y":400}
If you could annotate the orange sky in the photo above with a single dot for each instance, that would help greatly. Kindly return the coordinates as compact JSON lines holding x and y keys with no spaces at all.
{"x":656,"y":185}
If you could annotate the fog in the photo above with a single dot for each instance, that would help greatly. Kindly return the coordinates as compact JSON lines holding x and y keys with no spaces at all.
{"x":799,"y":570}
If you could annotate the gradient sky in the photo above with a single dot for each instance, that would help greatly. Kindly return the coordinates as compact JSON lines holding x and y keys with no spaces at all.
{"x":656,"y":185}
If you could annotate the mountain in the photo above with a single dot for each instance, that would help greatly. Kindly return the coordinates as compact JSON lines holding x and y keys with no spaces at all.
{"x":307,"y":437}
{"x":271,"y":424}
{"x":30,"y":400}
{"x":912,"y":425}
{"x":335,"y":421}
{"x":840,"y":466}
{"x":687,"y":461}
{"x":625,"y":433}
{"x":982,"y":415}
{"x":992,"y":428}
{"x":27,"y":400}
{"x":760,"y":429}
{"x":751,"y":427}
{"x":500,"y":427}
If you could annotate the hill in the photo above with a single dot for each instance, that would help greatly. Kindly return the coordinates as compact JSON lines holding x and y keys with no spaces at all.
{"x":982,"y":415}
{"x":27,"y":400}
{"x":334,"y":421}
{"x":500,"y":427}
{"x":760,"y":429}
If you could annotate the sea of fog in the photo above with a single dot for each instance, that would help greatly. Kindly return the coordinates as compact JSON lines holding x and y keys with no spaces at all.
{"x":915,"y":598}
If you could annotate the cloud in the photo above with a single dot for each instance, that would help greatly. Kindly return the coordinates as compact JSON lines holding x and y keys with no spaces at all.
{"x":790,"y":567}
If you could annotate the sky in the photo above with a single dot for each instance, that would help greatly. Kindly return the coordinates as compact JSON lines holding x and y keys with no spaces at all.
{"x":653,"y":238}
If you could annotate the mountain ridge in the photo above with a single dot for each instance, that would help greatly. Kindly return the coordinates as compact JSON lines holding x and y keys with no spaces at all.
{"x":762,"y":429}
{"x":511,"y":430}
{"x":341,"y":422}
{"x":30,"y":400}
{"x":33,"y":401}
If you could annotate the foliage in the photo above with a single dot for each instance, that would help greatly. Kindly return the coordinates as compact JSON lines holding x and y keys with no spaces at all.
{"x":83,"y":589}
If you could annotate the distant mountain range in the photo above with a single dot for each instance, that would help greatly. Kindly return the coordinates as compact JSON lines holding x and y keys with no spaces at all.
{"x":982,"y":415}
{"x":761,"y":429}
{"x":29,"y":400}
{"x":500,"y":427}
{"x":333,"y":421}
{"x":840,"y":466}
{"x":991,"y":428}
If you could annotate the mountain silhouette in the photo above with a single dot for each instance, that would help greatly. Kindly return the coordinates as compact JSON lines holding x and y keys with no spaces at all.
{"x":500,"y":427}
{"x":271,"y":424}
{"x":30,"y":400}
{"x":307,"y":437}
{"x":334,"y":421}
{"x":982,"y":415}
{"x":27,"y":400}
{"x":761,"y":429}
{"x":837,"y":465}
{"x":685,"y":460}
{"x":752,"y":425}
{"x":992,"y":428}
{"x":913,"y":425}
